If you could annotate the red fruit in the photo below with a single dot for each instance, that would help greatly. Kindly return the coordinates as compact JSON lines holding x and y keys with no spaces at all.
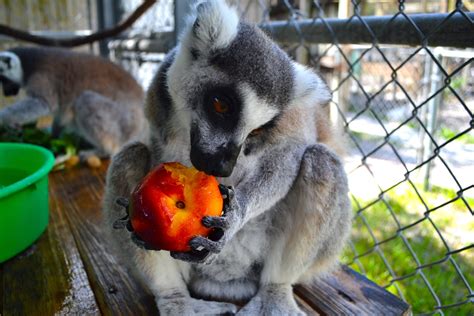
{"x":168,"y":205}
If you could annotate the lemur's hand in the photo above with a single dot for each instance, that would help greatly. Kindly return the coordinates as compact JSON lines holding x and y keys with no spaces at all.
{"x":124,"y":222}
{"x":224,"y":227}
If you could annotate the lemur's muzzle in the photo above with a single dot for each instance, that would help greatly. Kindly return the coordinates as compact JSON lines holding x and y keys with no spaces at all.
{"x":220,"y":163}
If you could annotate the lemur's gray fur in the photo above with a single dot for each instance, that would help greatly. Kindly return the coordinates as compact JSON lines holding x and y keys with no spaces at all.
{"x":289,"y":217}
{"x":87,"y":94}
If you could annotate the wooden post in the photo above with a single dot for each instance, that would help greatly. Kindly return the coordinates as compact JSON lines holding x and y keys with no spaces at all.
{"x":301,"y":52}
{"x":340,"y":96}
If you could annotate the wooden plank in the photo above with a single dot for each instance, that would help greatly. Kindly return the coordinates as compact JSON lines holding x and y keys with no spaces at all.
{"x":346,"y":292}
{"x":49,"y":277}
{"x":305,"y":307}
{"x":116,"y":291}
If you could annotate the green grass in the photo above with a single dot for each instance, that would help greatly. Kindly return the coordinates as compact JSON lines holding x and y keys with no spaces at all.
{"x":447,"y":134}
{"x":455,"y":223}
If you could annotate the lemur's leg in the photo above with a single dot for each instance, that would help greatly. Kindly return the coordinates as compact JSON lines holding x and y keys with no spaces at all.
{"x":311,"y":226}
{"x":24,"y":111}
{"x":165,"y":276}
{"x":100,"y":121}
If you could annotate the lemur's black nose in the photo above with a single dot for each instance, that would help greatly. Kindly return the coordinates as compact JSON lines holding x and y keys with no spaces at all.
{"x":219,"y":164}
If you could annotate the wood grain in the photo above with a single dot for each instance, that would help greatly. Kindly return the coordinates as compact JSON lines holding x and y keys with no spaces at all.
{"x":347,"y":292}
{"x":117,"y":293}
{"x":48,"y":278}
{"x":305,"y":307}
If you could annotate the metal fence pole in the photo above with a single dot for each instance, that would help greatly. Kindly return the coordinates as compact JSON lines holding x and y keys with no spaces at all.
{"x":182,"y":10}
{"x":108,"y":15}
{"x":456,"y":31}
{"x":431,"y":117}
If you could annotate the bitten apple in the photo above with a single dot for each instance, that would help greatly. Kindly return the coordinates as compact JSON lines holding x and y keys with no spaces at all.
{"x":168,"y":205}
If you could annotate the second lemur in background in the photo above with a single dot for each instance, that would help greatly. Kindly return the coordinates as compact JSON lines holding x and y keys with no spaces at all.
{"x":84,"y":93}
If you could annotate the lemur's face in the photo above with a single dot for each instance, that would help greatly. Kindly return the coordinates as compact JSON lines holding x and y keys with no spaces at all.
{"x":11,"y":74}
{"x":228,"y":80}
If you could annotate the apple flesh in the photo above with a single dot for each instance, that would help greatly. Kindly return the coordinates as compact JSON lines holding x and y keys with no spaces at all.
{"x":168,"y":205}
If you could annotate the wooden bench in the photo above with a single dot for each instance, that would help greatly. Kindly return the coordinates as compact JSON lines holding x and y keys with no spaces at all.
{"x":70,"y":270}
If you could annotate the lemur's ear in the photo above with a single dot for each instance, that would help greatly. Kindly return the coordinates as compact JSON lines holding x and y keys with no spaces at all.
{"x":309,"y":88}
{"x":215,"y":27}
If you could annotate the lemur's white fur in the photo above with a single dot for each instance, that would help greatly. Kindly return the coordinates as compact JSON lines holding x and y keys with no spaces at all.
{"x":290,"y":214}
{"x":217,"y":25}
{"x":11,"y":70}
{"x":309,"y":88}
{"x":253,"y":118}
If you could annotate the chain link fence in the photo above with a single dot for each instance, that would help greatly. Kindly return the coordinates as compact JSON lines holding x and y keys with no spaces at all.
{"x":401,"y":74}
{"x":408,"y":115}
{"x":402,"y":84}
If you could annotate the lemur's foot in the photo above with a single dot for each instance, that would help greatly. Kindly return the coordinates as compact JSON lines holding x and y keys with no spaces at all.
{"x":92,"y":157}
{"x":177,"y":304}
{"x":273,"y":299}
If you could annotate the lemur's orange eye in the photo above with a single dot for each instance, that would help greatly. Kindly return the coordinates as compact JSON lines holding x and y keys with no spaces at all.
{"x":220,"y":106}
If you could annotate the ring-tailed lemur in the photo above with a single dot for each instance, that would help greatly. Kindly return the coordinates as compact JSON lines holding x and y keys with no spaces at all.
{"x":230,"y":102}
{"x":88,"y":94}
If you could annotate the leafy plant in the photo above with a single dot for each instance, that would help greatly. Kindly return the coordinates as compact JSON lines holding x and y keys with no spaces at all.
{"x":65,"y":144}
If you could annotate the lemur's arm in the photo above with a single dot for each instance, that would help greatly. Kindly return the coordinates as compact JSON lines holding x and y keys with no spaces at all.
{"x":24,"y":111}
{"x":41,"y":100}
{"x":266,"y":184}
{"x":269,"y":181}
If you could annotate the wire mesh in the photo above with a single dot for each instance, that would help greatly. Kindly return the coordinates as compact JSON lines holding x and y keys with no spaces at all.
{"x":408,"y":116}
{"x":407,"y":113}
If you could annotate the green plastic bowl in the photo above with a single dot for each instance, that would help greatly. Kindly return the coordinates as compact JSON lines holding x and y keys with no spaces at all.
{"x":24,"y":211}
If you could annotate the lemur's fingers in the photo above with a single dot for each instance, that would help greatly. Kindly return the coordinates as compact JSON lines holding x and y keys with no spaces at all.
{"x":121,"y":223}
{"x":227,"y":192}
{"x":124,"y":202}
{"x":124,"y":221}
{"x":215,"y":222}
{"x":199,"y":243}
{"x":194,"y":256}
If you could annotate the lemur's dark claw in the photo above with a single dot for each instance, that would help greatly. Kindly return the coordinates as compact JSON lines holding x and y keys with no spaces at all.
{"x":129,"y":226}
{"x":227,"y":192}
{"x":200,"y":243}
{"x":215,"y":222}
{"x":137,"y":241}
{"x":231,"y":193}
{"x":195,"y":256}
